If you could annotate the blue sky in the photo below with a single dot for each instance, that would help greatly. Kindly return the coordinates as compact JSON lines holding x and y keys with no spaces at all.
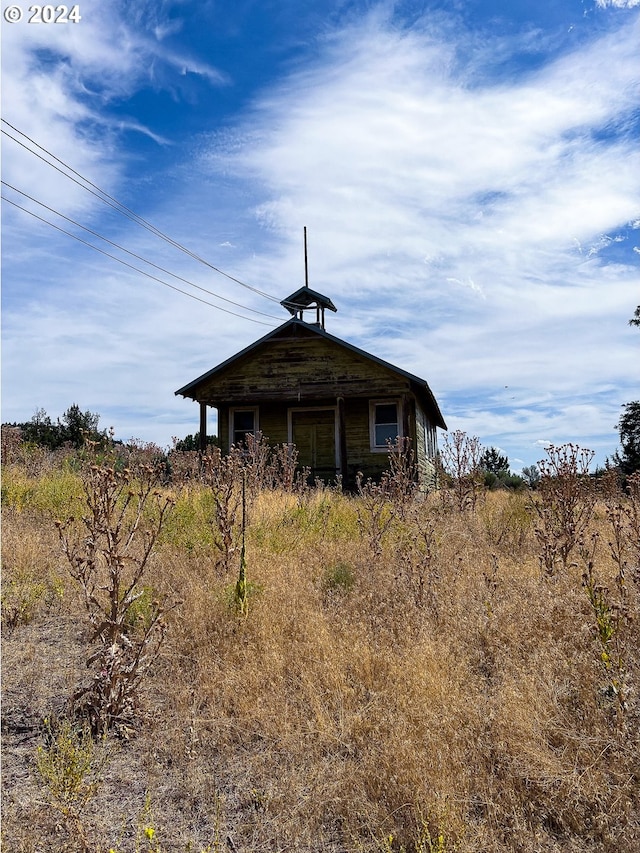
{"x":468,"y":173}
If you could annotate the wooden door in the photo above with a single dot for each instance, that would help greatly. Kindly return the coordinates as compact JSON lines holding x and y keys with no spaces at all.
{"x":314,"y":435}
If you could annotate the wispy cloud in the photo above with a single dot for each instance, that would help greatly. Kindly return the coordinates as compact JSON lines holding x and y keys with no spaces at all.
{"x":62,"y":80}
{"x":618,"y":4}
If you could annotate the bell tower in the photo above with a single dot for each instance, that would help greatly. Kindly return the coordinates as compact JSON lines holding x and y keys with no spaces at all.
{"x":305,"y":299}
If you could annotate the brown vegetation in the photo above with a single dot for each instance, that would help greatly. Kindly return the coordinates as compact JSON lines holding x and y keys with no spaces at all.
{"x":406,"y":671}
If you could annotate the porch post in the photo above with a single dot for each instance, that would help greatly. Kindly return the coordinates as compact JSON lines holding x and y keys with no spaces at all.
{"x":407,"y":419}
{"x":203,"y":427}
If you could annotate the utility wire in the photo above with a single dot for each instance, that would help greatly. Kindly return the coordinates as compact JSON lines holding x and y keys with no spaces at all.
{"x":133,"y":254}
{"x":121,"y":208}
{"x":131,"y":266}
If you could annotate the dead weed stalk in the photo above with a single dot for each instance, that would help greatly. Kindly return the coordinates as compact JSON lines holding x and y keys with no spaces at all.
{"x":459,"y":471}
{"x":564,"y":506}
{"x":107,"y":555}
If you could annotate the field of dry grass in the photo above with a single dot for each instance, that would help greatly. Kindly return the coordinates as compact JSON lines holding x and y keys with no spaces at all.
{"x":408,"y":675}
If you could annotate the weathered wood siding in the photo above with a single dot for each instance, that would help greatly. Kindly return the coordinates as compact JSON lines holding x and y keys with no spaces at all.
{"x":426,"y":446}
{"x":300,"y":369}
{"x":223,"y":427}
{"x":272,"y":421}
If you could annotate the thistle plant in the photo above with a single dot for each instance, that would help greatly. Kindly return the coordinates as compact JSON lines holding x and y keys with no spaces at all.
{"x":256,"y":463}
{"x":623,"y":515}
{"x":459,"y":468}
{"x":376,"y":511}
{"x":565,"y":503}
{"x":266,"y":466}
{"x":401,"y":479}
{"x":418,"y":564}
{"x":283,"y":466}
{"x":381,"y":503}
{"x":241,"y":591}
{"x":223,"y":474}
{"x":108,"y":553}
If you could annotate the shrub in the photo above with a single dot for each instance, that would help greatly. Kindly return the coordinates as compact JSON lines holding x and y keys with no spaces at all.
{"x":338,"y":577}
{"x":428,"y":690}
{"x":70,"y":767}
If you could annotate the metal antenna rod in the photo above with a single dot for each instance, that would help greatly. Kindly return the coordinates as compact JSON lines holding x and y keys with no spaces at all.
{"x":306,"y":263}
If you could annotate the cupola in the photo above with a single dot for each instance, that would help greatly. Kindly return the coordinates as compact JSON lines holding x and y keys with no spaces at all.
{"x":305,"y":299}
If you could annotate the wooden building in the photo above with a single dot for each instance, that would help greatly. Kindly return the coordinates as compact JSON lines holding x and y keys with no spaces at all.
{"x":339,"y":405}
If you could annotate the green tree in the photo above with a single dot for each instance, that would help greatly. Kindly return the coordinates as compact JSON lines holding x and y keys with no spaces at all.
{"x":494,"y":461}
{"x":192,"y":442}
{"x":77,"y":426}
{"x":40,"y":430}
{"x":74,"y":427}
{"x":497,"y":474}
{"x":629,"y":428}
{"x":531,"y":475}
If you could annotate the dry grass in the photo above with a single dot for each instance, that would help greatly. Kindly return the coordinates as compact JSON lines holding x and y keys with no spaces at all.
{"x":439,"y":692}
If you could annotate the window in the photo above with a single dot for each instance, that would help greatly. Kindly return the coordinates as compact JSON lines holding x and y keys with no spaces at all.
{"x":243,"y":421}
{"x":385,"y":425}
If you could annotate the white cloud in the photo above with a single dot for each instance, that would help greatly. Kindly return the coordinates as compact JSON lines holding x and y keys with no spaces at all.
{"x":385,"y":150}
{"x":618,"y":4}
{"x":57,"y":81}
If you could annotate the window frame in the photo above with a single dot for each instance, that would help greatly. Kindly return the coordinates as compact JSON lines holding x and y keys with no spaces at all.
{"x":373,"y":404}
{"x":233,"y":411}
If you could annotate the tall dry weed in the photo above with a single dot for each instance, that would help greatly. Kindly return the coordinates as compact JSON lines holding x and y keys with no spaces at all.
{"x":427,"y":686}
{"x":459,"y":472}
{"x":107,"y":557}
{"x":565,"y":502}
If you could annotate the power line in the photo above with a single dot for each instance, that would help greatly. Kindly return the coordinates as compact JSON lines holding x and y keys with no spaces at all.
{"x":121,"y":208}
{"x":131,"y":266}
{"x":133,"y":254}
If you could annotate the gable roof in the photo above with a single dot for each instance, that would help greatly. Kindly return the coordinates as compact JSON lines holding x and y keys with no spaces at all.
{"x":298,"y":328}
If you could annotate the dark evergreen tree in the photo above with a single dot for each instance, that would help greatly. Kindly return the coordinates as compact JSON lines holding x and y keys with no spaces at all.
{"x":73,"y":428}
{"x":77,"y":426}
{"x":628,"y":426}
{"x":494,"y":461}
{"x":40,"y":430}
{"x":192,"y":442}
